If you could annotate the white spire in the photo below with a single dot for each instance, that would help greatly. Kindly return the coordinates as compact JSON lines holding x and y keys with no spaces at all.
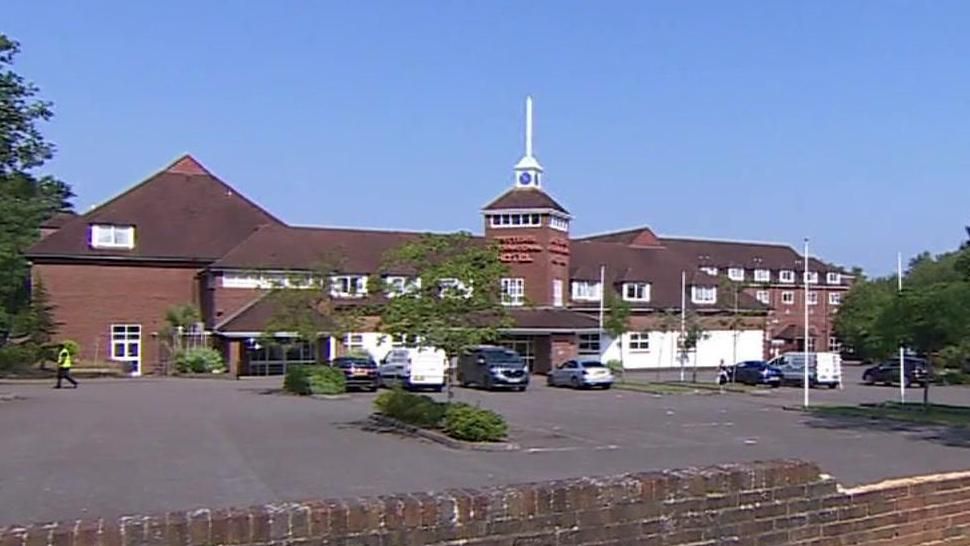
{"x":528,"y":170}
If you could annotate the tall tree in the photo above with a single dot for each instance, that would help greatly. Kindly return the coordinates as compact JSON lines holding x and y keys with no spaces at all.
{"x":454,"y":301}
{"x":27,"y":198}
{"x":616,"y":322}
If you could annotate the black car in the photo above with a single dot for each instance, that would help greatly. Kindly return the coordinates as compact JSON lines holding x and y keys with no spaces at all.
{"x":916,"y":370}
{"x":752,"y":372}
{"x":491,"y":367}
{"x":360,"y":372}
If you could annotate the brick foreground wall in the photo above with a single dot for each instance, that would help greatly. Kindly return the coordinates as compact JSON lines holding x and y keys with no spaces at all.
{"x":778,"y":502}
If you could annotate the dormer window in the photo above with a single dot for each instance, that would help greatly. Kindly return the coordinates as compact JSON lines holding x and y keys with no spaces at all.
{"x":348,"y":286}
{"x":786,"y":276}
{"x":703,"y":294}
{"x":558,"y":223}
{"x":736,"y":274}
{"x":636,"y":291}
{"x":587,"y":290}
{"x":762,"y":275}
{"x":811,"y":277}
{"x":710,"y":270}
{"x":111,"y":236}
{"x":833,"y":278}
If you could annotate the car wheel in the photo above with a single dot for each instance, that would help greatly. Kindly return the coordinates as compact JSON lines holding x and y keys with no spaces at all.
{"x":607,"y":387}
{"x":575,"y":383}
{"x":487,"y":385}
{"x":439,"y":388}
{"x":520,"y":389}
{"x":868,"y":380}
{"x":549,"y":381}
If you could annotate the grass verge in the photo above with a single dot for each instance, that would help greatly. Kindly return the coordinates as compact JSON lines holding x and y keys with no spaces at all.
{"x":667,"y":387}
{"x":933,"y":414}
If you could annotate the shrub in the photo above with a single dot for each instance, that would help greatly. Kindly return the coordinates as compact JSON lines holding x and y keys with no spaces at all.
{"x":473,"y":424}
{"x":297,"y":380}
{"x":73,"y":347}
{"x":615,"y":366}
{"x":326,"y":380}
{"x":17,"y":357}
{"x":953,"y":377}
{"x":413,"y":409}
{"x":199,"y":360}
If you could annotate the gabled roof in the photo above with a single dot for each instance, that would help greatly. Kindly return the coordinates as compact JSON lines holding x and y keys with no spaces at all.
{"x":749,"y":255}
{"x":58,"y":219}
{"x":253,"y":318}
{"x":181,"y":213}
{"x":525,"y":198}
{"x":639,"y":236}
{"x":309,"y":248}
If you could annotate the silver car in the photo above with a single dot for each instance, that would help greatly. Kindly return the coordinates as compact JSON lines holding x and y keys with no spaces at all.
{"x":580,"y":374}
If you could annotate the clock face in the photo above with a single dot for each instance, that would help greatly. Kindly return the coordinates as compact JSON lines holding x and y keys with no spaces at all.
{"x":525,"y":179}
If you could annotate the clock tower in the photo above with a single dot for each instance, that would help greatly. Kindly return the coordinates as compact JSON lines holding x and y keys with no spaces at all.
{"x":532,"y":232}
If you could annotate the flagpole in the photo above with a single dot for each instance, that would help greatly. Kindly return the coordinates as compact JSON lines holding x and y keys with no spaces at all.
{"x":805,"y":363}
{"x":683,"y":320}
{"x":902,"y":351}
{"x":602,"y":295}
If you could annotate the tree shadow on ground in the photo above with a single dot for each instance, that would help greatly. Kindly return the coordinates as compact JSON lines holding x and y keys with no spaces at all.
{"x":945,"y":435}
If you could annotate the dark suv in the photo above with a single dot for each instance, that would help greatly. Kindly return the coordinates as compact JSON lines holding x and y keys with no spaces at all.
{"x":360,"y":372}
{"x":491,"y":367}
{"x":917,"y":371}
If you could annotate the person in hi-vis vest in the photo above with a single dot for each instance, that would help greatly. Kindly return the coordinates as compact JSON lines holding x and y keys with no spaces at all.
{"x":64,"y":367}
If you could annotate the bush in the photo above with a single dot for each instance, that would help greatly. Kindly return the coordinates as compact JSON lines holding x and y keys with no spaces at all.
{"x":73,"y":347}
{"x":473,"y":424}
{"x":306,"y":380}
{"x":17,"y":357}
{"x":953,"y":377}
{"x":326,"y":380}
{"x":199,"y":360}
{"x":413,"y":409}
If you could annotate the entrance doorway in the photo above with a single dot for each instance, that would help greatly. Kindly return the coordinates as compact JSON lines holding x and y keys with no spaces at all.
{"x":126,"y":346}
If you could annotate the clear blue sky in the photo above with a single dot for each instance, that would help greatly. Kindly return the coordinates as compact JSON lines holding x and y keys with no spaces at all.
{"x":844,"y":121}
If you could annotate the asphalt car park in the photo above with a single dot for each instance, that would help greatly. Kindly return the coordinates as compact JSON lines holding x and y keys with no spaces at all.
{"x":194,"y":443}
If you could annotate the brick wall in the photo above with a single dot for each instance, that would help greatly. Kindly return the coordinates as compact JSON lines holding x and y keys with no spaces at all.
{"x":779,"y":502}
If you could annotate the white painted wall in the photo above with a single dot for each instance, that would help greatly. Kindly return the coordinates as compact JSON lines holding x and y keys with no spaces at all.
{"x":378,"y":345}
{"x":719,"y":344}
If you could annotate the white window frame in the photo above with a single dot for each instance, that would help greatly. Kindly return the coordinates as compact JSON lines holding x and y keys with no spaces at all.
{"x":762,"y":275}
{"x":449,"y":284}
{"x":810,"y":276}
{"x":529,"y":219}
{"x":736,"y":273}
{"x":788,"y":297}
{"x":835,"y":298}
{"x":557,"y":295}
{"x":812,"y":297}
{"x":764,"y":296}
{"x":810,"y":346}
{"x":353,"y":341}
{"x":638,"y":342}
{"x":703,"y":294}
{"x":240,"y":280}
{"x":709,"y":270}
{"x":355,"y":286}
{"x":786,"y":276}
{"x":833,"y":277}
{"x":112,"y":236}
{"x":395,"y":285}
{"x":559,"y":224}
{"x":586,"y":290}
{"x":126,"y":335}
{"x":513,"y":291}
{"x":636,"y":291}
{"x":591,"y":342}
{"x":835,"y":345}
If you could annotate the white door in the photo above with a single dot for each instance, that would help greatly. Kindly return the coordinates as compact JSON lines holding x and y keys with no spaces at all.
{"x":126,"y":346}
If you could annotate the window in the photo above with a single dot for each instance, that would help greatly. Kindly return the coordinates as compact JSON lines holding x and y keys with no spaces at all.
{"x":395,"y":285}
{"x":788,"y":297}
{"x":348,"y":286}
{"x":709,"y":270}
{"x":125,"y":342}
{"x":835,"y":345}
{"x":639,"y":341}
{"x":762,"y":275}
{"x":515,"y":220}
{"x":835,"y":298}
{"x":557,"y":292}
{"x":786,"y":275}
{"x":812,"y":298}
{"x":399,"y":340}
{"x":736,"y":274}
{"x":558,"y":223}
{"x":636,"y":291}
{"x":513,"y":291}
{"x":833,"y":278}
{"x":354,"y":342}
{"x":109,"y":236}
{"x":240,"y":280}
{"x":811,"y":346}
{"x":811,"y":277}
{"x":453,"y":288}
{"x":589,"y":344}
{"x":703,"y":294}
{"x":587,"y":290}
{"x":764,"y":296}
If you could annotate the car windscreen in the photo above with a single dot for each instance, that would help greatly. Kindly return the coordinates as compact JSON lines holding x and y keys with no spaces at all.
{"x":592,"y":364}
{"x":501,"y":355}
{"x":353,"y":363}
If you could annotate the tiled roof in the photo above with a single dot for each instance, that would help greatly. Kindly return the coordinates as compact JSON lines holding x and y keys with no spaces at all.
{"x":640,"y":236}
{"x":555,"y":319}
{"x":309,"y":248}
{"x":525,"y":198}
{"x":749,"y":255}
{"x":182,"y":212}
{"x":254,"y":316}
{"x":58,"y":219}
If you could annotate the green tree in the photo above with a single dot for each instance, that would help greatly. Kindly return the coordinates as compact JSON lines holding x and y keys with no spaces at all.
{"x":858,"y":322}
{"x":455,"y":299}
{"x":616,"y":322}
{"x":27,"y":199}
{"x":694,"y":333}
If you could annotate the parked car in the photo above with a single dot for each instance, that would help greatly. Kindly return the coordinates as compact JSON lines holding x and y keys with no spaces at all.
{"x":413,"y":369}
{"x":824,"y":369}
{"x":916,"y":370}
{"x":491,"y":367}
{"x":359,"y":371}
{"x":752,"y":372}
{"x":581,"y":373}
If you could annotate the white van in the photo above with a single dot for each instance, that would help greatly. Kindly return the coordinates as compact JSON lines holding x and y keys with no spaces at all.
{"x":824,"y":369}
{"x":420,"y":368}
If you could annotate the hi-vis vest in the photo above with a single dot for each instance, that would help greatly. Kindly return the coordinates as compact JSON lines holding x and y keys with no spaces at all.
{"x":64,"y":358}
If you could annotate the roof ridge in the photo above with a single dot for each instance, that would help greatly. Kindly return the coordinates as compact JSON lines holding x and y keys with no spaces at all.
{"x":186,"y":164}
{"x":716,"y":240}
{"x":235,"y":314}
